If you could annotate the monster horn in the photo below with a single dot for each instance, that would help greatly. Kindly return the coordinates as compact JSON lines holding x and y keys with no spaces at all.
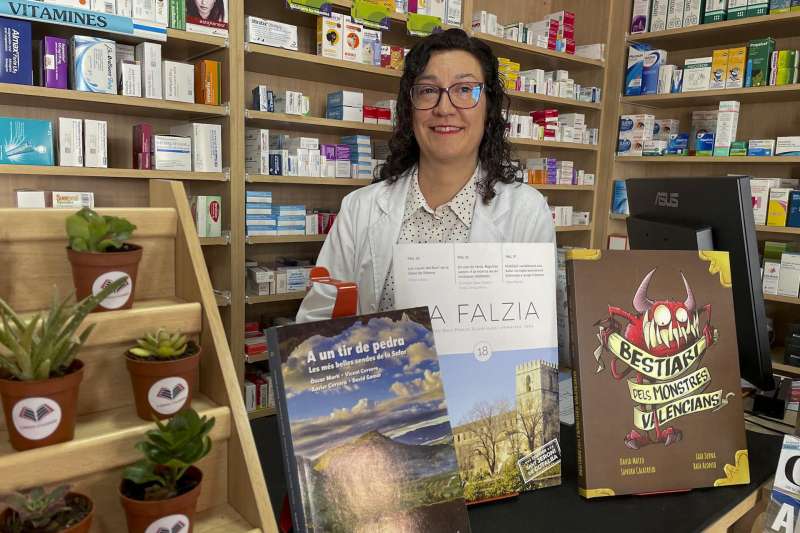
{"x":689,"y":303}
{"x":641,"y":302}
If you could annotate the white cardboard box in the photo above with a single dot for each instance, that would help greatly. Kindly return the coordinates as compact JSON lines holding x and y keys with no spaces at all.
{"x":759,"y":191}
{"x":31,"y":199}
{"x":206,"y":145}
{"x":70,"y":142}
{"x":696,"y":74}
{"x":130,"y":78}
{"x":271,"y":33}
{"x":789,"y":279}
{"x":770,"y":277}
{"x":172,"y":152}
{"x":72,"y":200}
{"x":178,"y":80}
{"x":352,"y":40}
{"x":149,"y":57}
{"x":95,"y":135}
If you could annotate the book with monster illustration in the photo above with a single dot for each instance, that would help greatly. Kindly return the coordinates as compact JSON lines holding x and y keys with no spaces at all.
{"x":658,"y":401}
{"x":364,"y":425}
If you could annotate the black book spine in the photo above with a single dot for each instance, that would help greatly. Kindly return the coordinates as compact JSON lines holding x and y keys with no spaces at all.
{"x":289,"y":463}
{"x":576,"y":380}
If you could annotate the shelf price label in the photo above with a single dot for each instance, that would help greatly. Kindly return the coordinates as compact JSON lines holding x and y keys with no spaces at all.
{"x":372,"y":13}
{"x":423,"y":25}
{"x":81,"y":18}
{"x":314,"y":7}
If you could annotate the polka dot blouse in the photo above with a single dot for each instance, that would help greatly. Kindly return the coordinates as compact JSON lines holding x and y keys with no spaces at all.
{"x":449,"y":222}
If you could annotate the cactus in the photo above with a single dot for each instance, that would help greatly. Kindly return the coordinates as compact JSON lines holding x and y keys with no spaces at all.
{"x":91,"y":232}
{"x":45,"y":345}
{"x":161,"y":344}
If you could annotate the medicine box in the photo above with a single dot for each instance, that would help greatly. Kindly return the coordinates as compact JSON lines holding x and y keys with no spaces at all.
{"x":172,"y":152}
{"x":759,"y":192}
{"x":130,"y":78}
{"x":761,"y":147}
{"x":71,"y":200}
{"x":345,"y":98}
{"x":329,"y":36}
{"x":207,"y":214}
{"x":371,"y":48}
{"x":789,"y":278}
{"x":640,"y":16}
{"x":70,"y":142}
{"x":352,"y":40}
{"x":696,"y":74}
{"x":94,"y":64}
{"x":633,"y":74}
{"x":256,"y":151}
{"x":355,"y":114}
{"x":735,"y":72}
{"x":737,"y":9}
{"x":95,"y":145}
{"x":54,"y":62}
{"x":787,"y":146}
{"x":207,"y":84}
{"x":206,"y":145}
{"x":757,"y":8}
{"x":778,"y":207}
{"x":658,"y":15}
{"x":653,"y":61}
{"x":715,"y":11}
{"x":693,"y":12}
{"x":271,"y":33}
{"x":149,"y":57}
{"x":793,"y":219}
{"x":675,"y":14}
{"x":178,"y":79}
{"x":28,"y":199}
{"x":759,"y":53}
{"x":727,"y":124}
{"x":719,"y":69}
{"x":16,"y":56}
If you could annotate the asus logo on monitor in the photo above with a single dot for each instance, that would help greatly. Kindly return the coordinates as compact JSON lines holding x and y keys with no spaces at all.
{"x":667,"y":199}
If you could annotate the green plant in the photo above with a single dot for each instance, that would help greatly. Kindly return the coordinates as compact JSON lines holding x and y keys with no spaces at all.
{"x":46,"y":344}
{"x":42,"y":511}
{"x":161,"y":344}
{"x":169,"y":451}
{"x":91,"y":232}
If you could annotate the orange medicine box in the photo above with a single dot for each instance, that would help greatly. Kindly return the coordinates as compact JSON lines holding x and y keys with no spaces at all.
{"x":207,"y":75}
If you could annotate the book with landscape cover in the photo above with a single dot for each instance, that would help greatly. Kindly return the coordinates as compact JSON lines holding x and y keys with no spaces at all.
{"x":493,"y":311}
{"x":658,"y":401}
{"x":364,"y":425}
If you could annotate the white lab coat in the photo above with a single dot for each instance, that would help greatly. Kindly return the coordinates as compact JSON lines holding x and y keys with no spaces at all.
{"x":360,"y":245}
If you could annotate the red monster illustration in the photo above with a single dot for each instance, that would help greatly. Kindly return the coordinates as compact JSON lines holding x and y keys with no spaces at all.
{"x":661,"y":328}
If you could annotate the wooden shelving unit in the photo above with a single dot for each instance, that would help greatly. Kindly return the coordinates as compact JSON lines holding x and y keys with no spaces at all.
{"x":313,"y":124}
{"x":284,"y":239}
{"x":272,"y":298}
{"x":121,"y":173}
{"x":551,"y":58}
{"x":174,"y":291}
{"x":764,"y":112}
{"x":554,"y":145}
{"x":307,"y":180}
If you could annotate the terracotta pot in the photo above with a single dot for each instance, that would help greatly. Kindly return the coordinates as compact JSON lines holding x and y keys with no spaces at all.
{"x":92,"y":271}
{"x":150,"y":516}
{"x":162,"y":388}
{"x":43,"y":412}
{"x":81,"y":527}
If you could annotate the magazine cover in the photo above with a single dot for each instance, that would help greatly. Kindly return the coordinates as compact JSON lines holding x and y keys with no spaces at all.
{"x":783,"y":510}
{"x":364,"y":425}
{"x":493,"y":311}
{"x":658,"y":401}
{"x":207,"y":16}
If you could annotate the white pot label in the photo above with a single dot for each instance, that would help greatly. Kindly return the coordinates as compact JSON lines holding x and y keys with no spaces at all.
{"x":118,"y":298}
{"x":174,"y":523}
{"x":167,"y":396}
{"x":36,"y":418}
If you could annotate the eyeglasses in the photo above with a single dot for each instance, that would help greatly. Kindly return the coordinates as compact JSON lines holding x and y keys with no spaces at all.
{"x":464,"y":95}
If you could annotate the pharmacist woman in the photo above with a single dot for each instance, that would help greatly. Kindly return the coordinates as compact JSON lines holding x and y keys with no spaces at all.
{"x":447,"y":178}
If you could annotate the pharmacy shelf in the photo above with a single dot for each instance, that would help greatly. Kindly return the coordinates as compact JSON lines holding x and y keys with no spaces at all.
{"x":727,"y":32}
{"x":215,"y":241}
{"x":551,"y":187}
{"x":779,"y":367}
{"x":272,"y":298}
{"x":393,"y":15}
{"x":617,"y":216}
{"x":534,"y":98}
{"x":778,"y":230}
{"x":306,"y":180}
{"x":552,"y":145}
{"x":260,"y":413}
{"x":781,"y":299}
{"x":186,"y":45}
{"x":745,"y":95}
{"x":121,"y":173}
{"x":551,"y":58}
{"x":700,"y":160}
{"x":313,"y":124}
{"x":310,"y":67}
{"x":64,"y":99}
{"x":283,"y":239}
{"x":569,"y":229}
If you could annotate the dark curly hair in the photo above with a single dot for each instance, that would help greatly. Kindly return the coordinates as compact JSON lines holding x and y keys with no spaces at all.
{"x":494,"y":153}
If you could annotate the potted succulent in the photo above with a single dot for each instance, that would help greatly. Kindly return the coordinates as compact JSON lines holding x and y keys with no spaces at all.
{"x":163,"y":367}
{"x":98,"y":255}
{"x":161,"y":490}
{"x":39,"y":511}
{"x":39,"y":374}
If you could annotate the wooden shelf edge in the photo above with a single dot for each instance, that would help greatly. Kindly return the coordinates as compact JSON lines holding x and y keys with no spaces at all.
{"x":119,"y":173}
{"x":695,"y":31}
{"x":283,"y":239}
{"x":47,"y":93}
{"x":313,"y":59}
{"x":552,"y":187}
{"x":272,"y":298}
{"x":315,"y":122}
{"x":553,"y":145}
{"x":693,"y":160}
{"x":261,"y":413}
{"x":196,"y":37}
{"x":306,"y":180}
{"x":222,"y":518}
{"x":680,"y":98}
{"x":567,"y":229}
{"x":782,"y":299}
{"x":554,"y":100}
{"x":539,"y":51}
{"x":786,"y":230}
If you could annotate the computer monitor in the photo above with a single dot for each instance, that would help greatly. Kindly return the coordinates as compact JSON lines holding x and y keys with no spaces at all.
{"x":665,"y":214}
